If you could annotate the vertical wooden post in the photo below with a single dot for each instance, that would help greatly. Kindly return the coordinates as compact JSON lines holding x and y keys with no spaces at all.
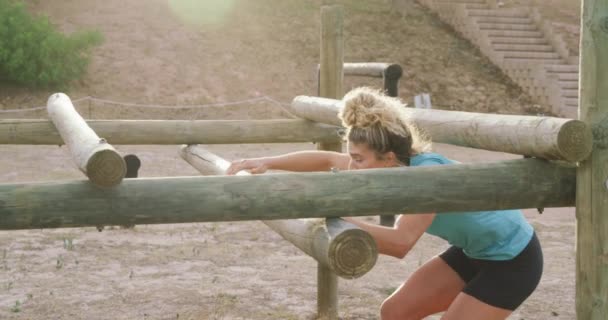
{"x":390,"y":79}
{"x":331,"y":77}
{"x":592,"y":174}
{"x":327,"y":293}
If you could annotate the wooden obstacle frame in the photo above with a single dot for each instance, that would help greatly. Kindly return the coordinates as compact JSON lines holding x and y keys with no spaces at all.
{"x":569,"y":167}
{"x":391,"y":74}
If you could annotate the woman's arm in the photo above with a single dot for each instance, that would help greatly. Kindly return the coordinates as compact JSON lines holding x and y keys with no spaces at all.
{"x":400,"y":239}
{"x":302,"y":161}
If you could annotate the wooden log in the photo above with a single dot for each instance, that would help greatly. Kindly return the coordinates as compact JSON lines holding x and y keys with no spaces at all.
{"x":93,"y":155}
{"x":543,"y":137}
{"x":592,"y":174}
{"x":390,"y":74}
{"x":327,"y":293}
{"x":331,"y":78}
{"x":373,"y":69}
{"x":175,"y":132}
{"x":331,"y":75}
{"x":345,"y":249}
{"x":521,"y":183}
{"x":362,"y":69}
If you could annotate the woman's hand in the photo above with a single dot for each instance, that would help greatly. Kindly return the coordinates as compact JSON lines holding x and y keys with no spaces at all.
{"x":254,"y":166}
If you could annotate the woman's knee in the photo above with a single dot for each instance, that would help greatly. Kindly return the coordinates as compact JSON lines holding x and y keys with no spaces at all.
{"x":392,"y":309}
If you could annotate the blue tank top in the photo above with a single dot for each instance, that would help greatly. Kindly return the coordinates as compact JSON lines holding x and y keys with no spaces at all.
{"x":487,"y":235}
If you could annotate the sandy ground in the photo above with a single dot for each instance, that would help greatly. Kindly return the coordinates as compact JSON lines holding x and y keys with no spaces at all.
{"x":236,"y":270}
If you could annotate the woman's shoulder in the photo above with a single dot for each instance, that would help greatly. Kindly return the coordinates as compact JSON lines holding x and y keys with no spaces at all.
{"x":429,"y":159}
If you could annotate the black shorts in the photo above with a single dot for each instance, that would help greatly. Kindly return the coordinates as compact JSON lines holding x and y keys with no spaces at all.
{"x":503,"y":284}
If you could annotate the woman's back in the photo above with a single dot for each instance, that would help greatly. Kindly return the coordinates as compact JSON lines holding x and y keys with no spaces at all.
{"x":488,"y":235}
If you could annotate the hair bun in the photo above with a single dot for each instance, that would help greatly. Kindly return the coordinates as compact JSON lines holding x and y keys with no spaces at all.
{"x":365,"y":107}
{"x":360,"y":108}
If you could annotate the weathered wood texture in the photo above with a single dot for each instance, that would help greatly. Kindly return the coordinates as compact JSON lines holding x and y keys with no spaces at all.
{"x":373,"y":69}
{"x":331,"y":79}
{"x":522,"y":183}
{"x":327,"y":294}
{"x":92,"y":154}
{"x":543,"y":137}
{"x":390,"y":74}
{"x":344,"y":248}
{"x":592,"y":175}
{"x":175,"y":132}
{"x":331,"y":75}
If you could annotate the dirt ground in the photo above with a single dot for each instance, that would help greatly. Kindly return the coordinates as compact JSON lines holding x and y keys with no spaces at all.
{"x":154,"y":54}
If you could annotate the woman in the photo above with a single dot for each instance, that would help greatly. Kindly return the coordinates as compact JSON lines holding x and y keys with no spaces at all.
{"x":495,"y":261}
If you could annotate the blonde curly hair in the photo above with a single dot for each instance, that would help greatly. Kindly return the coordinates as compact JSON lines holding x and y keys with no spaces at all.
{"x":380,"y":121}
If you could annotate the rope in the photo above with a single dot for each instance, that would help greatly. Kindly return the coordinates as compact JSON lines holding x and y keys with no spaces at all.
{"x":138,"y":105}
{"x":38,"y":108}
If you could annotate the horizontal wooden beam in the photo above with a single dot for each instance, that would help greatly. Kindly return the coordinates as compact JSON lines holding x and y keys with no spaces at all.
{"x":347,"y":250}
{"x":373,"y":69}
{"x":543,"y":137}
{"x":522,"y":183}
{"x":175,"y":132}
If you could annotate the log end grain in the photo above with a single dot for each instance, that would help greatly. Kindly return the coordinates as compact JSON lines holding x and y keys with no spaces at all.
{"x":575,"y":141}
{"x":106,"y":168}
{"x":352,"y":253}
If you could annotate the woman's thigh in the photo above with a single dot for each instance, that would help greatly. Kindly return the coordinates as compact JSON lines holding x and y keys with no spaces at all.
{"x":500,"y":286}
{"x":470,"y":308}
{"x":429,"y":290}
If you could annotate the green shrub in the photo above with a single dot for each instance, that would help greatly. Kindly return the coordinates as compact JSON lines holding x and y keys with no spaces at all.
{"x":34,"y":53}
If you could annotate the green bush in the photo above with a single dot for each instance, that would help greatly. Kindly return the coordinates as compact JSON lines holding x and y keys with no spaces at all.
{"x":34,"y":53}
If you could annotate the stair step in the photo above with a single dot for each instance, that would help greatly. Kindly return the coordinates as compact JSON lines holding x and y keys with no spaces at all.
{"x":563,"y":68}
{"x":565,"y":85}
{"x":507,"y":26}
{"x":527,"y":60}
{"x":477,"y":6}
{"x":509,"y":40}
{"x":510,"y":20}
{"x":461,"y":1}
{"x":514,"y":33}
{"x":530,"y":55}
{"x":570,"y":93}
{"x":496,"y":13}
{"x":571,"y":102}
{"x":567,"y":76}
{"x":523,"y":47}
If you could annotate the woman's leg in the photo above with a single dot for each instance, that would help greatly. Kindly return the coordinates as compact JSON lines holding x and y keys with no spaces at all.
{"x":499,"y":287}
{"x":469,"y":308}
{"x":429,"y":290}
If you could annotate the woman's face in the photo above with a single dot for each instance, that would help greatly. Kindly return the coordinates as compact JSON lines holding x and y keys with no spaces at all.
{"x":362,"y":157}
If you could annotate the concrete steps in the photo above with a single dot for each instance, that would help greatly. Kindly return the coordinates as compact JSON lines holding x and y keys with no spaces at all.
{"x":477,"y":6}
{"x":513,"y":33}
{"x":566,"y":76}
{"x":523,"y":47}
{"x":570,"y":93}
{"x":518,"y":40}
{"x":507,"y":26}
{"x":528,"y":60}
{"x":503,"y":20}
{"x":496,"y":13}
{"x":519,"y":43}
{"x":569,"y":68}
{"x":572,"y":102}
{"x":531,"y":55}
{"x":569,"y":85}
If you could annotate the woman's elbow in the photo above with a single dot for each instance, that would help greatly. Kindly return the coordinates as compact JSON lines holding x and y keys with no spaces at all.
{"x":398,"y":251}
